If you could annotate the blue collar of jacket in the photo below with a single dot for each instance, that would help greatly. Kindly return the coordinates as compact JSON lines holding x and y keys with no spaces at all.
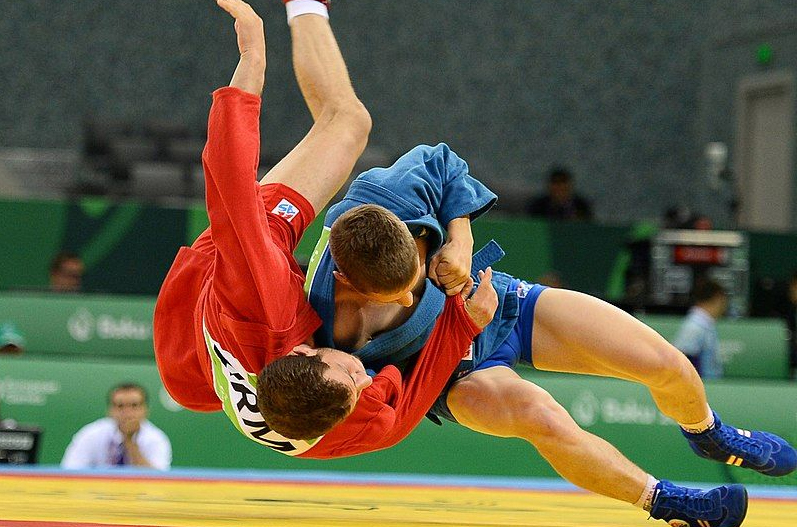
{"x":393,"y":347}
{"x":390,"y":347}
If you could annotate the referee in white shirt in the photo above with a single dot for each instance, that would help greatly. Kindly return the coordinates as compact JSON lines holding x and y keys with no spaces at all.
{"x":124,"y":438}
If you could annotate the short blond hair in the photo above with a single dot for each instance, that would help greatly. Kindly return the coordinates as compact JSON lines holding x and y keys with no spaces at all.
{"x":374,"y":249}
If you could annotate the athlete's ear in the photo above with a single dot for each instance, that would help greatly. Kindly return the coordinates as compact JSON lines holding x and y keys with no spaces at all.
{"x":304,"y":350}
{"x":362,"y":382}
{"x":406,"y":300}
{"x":341,"y":277}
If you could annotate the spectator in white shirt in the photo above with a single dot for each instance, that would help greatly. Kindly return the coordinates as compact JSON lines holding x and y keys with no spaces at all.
{"x":124,"y":438}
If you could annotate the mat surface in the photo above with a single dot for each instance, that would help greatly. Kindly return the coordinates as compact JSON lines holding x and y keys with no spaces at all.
{"x":196,"y":499}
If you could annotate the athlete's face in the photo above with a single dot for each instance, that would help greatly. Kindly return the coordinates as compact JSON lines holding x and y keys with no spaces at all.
{"x":343,"y":368}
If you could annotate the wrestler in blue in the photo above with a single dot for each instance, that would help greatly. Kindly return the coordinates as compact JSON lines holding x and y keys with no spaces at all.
{"x":428,"y":194}
{"x":430,"y":190}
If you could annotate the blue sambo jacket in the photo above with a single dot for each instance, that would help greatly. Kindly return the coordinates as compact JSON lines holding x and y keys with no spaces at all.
{"x":426,"y":188}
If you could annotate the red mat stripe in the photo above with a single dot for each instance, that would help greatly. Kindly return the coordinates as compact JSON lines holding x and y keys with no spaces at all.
{"x":14,"y":523}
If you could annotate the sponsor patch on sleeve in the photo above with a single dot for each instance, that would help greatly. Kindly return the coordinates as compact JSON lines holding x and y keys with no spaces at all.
{"x":523,"y":289}
{"x":470,"y":354}
{"x":286,"y":209}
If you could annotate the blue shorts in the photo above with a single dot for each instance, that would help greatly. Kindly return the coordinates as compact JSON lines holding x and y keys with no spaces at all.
{"x":516,"y":347}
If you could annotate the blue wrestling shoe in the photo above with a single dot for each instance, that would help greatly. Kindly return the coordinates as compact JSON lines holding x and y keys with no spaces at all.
{"x":766,"y":453}
{"x":682,"y":507}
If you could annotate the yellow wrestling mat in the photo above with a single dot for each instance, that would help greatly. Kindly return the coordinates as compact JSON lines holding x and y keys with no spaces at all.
{"x":53,"y":499}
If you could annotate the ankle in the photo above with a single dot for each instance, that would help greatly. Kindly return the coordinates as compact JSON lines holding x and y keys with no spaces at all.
{"x":701,"y":426}
{"x":646,"y":499}
{"x":295,"y":8}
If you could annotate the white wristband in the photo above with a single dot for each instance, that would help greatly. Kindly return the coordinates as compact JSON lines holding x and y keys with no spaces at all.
{"x":294,"y":8}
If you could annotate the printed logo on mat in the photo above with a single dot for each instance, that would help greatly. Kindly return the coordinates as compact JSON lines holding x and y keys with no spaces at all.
{"x":286,"y":209}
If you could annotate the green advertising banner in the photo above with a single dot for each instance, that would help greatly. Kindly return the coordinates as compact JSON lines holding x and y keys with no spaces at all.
{"x":61,"y":397}
{"x":127,"y":247}
{"x":82,"y":325}
{"x":749,"y":348}
{"x":121,"y":326}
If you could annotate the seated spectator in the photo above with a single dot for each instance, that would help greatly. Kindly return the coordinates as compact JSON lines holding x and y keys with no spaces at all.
{"x":560,"y":202}
{"x":698,"y":336}
{"x":124,"y":438}
{"x":681,"y":217}
{"x":66,"y":272}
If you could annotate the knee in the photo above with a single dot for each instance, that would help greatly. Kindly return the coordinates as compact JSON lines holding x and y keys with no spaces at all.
{"x":351,"y":118}
{"x":543,"y":420}
{"x":672,"y":368}
{"x":358,"y":117}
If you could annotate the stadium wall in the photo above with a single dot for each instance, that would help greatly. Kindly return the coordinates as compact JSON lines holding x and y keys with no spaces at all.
{"x":128,"y":247}
{"x":627,"y":93}
{"x":60,"y":396}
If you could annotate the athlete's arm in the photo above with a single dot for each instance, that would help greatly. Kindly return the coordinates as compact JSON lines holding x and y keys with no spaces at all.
{"x":450,"y":267}
{"x":250,"y":270}
{"x":389,"y":409}
{"x":251,"y":70}
{"x":422,"y":386}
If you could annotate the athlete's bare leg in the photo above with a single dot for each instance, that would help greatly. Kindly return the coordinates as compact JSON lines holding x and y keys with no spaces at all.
{"x":321,"y":163}
{"x":498,"y":402}
{"x":578,"y":333}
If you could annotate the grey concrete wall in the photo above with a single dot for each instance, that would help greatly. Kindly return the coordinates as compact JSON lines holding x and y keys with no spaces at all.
{"x":624,"y":92}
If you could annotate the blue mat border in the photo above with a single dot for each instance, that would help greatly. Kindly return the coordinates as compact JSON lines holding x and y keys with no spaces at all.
{"x":360,"y":478}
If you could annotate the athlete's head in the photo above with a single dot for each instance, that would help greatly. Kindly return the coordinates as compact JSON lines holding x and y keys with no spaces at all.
{"x":306,"y":393}
{"x":375,"y":254}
